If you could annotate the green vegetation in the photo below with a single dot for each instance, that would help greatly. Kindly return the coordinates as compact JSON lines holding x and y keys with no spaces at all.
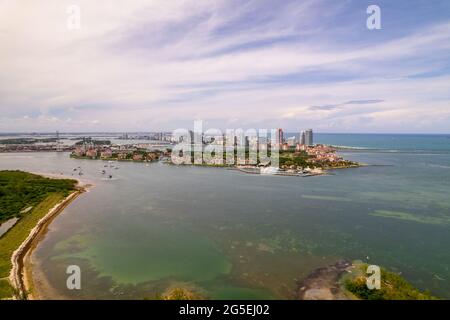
{"x":21,"y":190}
{"x":292,"y":158}
{"x":176,"y":293}
{"x":181,"y":294}
{"x":139,"y":155}
{"x":11,"y":240}
{"x":89,"y":140}
{"x":18,"y":191}
{"x":301,"y":159}
{"x":6,"y":291}
{"x":393,"y":287}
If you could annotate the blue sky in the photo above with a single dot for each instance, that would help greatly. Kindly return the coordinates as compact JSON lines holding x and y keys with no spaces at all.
{"x":159,"y":65}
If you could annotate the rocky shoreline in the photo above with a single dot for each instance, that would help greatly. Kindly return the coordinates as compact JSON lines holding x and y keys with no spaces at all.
{"x":324,"y":283}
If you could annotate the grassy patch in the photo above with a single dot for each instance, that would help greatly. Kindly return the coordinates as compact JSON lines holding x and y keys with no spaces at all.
{"x":18,"y":191}
{"x":393,"y":287}
{"x":181,"y":294}
{"x":16,"y":235}
{"x":289,"y":158}
{"x":6,"y":291}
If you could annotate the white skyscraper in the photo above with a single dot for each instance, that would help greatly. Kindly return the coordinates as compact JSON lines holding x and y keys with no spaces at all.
{"x":302,"y":137}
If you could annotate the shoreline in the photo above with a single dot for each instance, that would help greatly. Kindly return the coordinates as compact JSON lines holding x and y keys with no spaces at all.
{"x":20,"y":275}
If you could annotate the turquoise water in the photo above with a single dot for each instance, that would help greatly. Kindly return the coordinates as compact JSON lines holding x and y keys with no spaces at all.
{"x":225,"y":234}
{"x":388,"y":142}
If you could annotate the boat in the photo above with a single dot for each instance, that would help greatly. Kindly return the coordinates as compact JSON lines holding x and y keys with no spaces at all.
{"x":269,"y":170}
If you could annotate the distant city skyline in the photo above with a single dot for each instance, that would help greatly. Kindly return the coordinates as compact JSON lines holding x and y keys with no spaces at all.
{"x":148,"y":66}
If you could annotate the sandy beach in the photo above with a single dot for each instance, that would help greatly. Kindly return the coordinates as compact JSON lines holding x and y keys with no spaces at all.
{"x":20,"y":275}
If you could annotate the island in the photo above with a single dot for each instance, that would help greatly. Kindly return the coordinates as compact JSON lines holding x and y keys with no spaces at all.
{"x":300,"y":160}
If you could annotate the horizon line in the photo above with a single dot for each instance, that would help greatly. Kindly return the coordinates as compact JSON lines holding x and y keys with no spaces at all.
{"x":165,"y":131}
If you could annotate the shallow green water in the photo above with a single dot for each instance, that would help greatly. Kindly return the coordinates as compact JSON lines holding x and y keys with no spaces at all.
{"x":224,"y":234}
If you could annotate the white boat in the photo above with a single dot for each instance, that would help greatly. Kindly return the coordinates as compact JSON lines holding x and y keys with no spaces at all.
{"x":269,"y":170}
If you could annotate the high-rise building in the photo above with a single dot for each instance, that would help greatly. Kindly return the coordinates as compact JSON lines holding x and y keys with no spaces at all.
{"x":309,"y":137}
{"x":291,"y":141}
{"x":280,"y":137}
{"x":302,"y":138}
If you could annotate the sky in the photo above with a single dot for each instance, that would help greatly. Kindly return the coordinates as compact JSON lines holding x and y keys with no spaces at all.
{"x":159,"y":65}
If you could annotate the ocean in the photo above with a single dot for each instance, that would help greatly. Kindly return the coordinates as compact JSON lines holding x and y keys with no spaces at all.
{"x":228,"y":235}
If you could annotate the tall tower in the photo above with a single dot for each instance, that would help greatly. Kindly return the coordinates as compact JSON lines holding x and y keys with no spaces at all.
{"x":302,"y":138}
{"x":309,"y":141}
{"x":280,"y":137}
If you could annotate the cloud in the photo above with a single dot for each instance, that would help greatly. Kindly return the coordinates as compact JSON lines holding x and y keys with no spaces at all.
{"x":340,"y":105}
{"x":157,"y":65}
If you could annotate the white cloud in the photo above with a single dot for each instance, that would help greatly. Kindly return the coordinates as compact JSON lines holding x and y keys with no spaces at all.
{"x":160,"y":64}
